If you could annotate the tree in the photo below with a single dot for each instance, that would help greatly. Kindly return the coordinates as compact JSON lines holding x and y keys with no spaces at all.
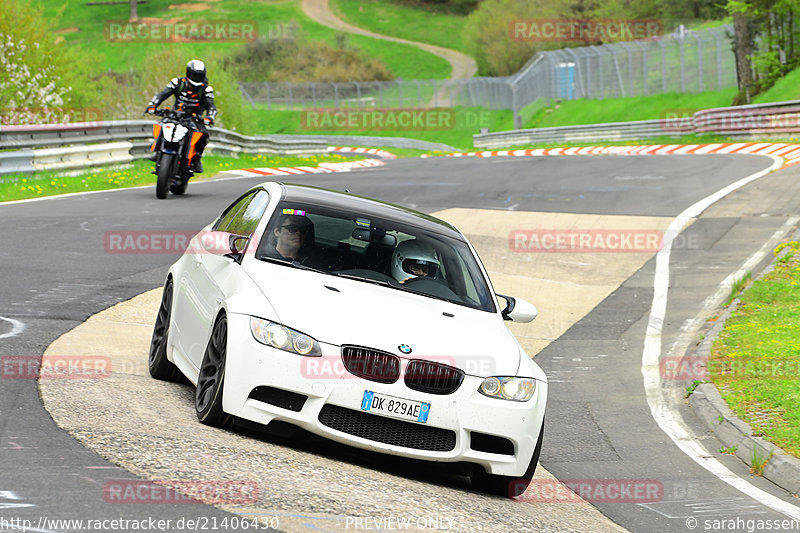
{"x":134,"y":14}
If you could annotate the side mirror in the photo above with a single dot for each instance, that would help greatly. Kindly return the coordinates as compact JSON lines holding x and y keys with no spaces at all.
{"x":237,"y":244}
{"x":518,"y":310}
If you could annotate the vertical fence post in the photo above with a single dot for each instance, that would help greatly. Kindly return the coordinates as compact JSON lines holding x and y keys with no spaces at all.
{"x":699,"y":63}
{"x":314,"y":95}
{"x":663,"y":66}
{"x":400,"y":86}
{"x":291,"y":104}
{"x":683,"y":63}
{"x":644,"y":70}
{"x":335,"y":95}
{"x":719,"y":60}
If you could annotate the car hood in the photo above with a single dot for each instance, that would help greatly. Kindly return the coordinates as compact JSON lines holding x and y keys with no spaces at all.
{"x":342,"y":311}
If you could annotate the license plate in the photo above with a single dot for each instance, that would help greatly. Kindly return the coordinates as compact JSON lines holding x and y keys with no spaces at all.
{"x":395,"y":407}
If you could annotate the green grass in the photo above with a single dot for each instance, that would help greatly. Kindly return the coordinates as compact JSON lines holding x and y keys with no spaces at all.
{"x":466,"y":122}
{"x":404,"y":61}
{"x":737,"y":287}
{"x":24,"y":186}
{"x":755,"y":363}
{"x":787,"y":88}
{"x":584,"y":111}
{"x":425,"y":23}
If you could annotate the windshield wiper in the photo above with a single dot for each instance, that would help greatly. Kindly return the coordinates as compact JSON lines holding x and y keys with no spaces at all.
{"x":294,"y":263}
{"x":386,"y":283}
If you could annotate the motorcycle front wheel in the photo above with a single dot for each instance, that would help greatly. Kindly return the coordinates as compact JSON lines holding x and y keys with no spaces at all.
{"x":164,"y":174}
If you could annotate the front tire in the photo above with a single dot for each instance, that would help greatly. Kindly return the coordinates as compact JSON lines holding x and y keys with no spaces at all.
{"x":508,"y":486}
{"x":157,"y":363}
{"x":164,"y":174}
{"x":211,"y":380}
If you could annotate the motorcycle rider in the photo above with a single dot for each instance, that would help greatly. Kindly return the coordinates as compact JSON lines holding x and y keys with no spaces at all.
{"x":193,"y":95}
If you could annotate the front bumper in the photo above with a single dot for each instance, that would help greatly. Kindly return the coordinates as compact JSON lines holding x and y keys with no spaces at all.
{"x":457,"y":424}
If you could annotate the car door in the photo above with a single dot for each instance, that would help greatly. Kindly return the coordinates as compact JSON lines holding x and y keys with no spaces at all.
{"x":213,"y":269}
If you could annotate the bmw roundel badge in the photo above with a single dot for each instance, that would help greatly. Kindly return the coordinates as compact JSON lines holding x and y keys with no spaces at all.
{"x":405,"y":348}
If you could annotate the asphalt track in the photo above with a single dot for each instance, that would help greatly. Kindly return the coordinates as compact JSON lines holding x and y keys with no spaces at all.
{"x":57,"y":273}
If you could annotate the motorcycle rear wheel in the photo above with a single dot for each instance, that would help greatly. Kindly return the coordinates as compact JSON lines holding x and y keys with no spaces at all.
{"x":178,"y":186}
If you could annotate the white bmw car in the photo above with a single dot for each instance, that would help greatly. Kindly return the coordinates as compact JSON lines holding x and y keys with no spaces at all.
{"x":364,"y":322}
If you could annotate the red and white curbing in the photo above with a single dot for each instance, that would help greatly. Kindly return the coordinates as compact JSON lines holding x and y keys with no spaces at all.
{"x":322,"y":168}
{"x":789,"y":152}
{"x":383,"y":154}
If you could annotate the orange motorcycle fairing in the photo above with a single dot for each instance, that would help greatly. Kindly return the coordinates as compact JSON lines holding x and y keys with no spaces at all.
{"x":156,"y":133}
{"x":195,"y":137}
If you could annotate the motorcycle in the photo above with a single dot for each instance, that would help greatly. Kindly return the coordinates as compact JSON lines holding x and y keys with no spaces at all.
{"x":174,"y":150}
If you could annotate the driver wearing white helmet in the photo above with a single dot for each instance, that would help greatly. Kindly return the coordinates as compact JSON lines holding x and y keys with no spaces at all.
{"x":412,"y":259}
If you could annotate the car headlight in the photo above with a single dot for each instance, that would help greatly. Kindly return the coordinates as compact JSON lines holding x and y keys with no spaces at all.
{"x":283,"y":338}
{"x":508,"y":388}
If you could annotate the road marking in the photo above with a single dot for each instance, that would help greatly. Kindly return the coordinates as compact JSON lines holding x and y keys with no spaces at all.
{"x":17,"y":327}
{"x":687,"y":508}
{"x":658,"y":398}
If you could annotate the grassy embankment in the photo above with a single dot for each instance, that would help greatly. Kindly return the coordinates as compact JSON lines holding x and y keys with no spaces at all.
{"x":755,"y":362}
{"x":85,"y":27}
{"x":423,"y":22}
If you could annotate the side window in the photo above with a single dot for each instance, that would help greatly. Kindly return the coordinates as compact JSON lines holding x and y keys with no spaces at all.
{"x":248,"y":217}
{"x":229,"y":214}
{"x":243,"y":216}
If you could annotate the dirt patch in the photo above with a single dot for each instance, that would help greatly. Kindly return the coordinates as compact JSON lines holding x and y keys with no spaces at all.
{"x":73,"y":29}
{"x":190,"y":7}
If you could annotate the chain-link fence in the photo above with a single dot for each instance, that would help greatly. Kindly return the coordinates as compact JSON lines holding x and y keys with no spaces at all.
{"x":683,"y":61}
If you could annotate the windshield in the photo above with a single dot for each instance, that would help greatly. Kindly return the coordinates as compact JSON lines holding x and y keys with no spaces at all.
{"x":362,"y":247}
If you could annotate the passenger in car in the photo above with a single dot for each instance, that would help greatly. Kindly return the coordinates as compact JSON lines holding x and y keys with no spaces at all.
{"x":414,"y":259}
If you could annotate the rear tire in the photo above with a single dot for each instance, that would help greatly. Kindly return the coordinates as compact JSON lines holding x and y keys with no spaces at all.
{"x":164,"y":175}
{"x":211,"y":381}
{"x":157,"y":363}
{"x":508,"y":486}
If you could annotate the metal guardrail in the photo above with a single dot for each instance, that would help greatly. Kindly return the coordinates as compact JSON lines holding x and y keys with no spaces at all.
{"x":371,"y":140}
{"x":78,"y":145}
{"x":20,"y":161}
{"x":752,"y":121}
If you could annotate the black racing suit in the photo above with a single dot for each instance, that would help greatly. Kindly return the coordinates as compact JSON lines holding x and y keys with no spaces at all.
{"x":192,"y":99}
